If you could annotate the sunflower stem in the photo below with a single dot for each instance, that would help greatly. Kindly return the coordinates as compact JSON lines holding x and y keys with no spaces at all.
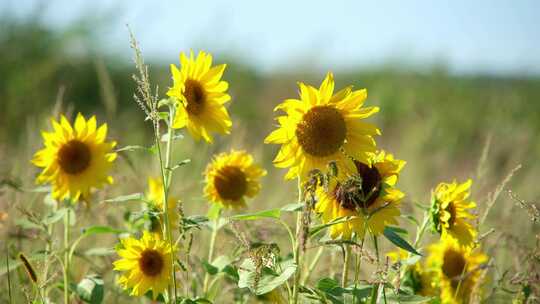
{"x":313,"y":264}
{"x":66,"y":255}
{"x":211,"y":251}
{"x":345,"y":272}
{"x":166,"y":175}
{"x":375,"y":290}
{"x":298,"y":245}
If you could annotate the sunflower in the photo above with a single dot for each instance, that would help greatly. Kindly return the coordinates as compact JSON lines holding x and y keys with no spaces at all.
{"x":368,"y":197}
{"x":231,"y":177}
{"x":201,"y":95}
{"x":449,"y":213}
{"x":321,"y":127}
{"x":146,"y":264}
{"x":456,"y":270}
{"x":156,"y":197}
{"x":75,"y":159}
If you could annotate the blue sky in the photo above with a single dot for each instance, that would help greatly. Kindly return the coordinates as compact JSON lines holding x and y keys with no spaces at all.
{"x":498,"y":37}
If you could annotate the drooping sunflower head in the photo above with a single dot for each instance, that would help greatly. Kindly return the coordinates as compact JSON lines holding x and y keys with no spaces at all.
{"x":231,"y":177}
{"x":145,"y":263}
{"x":321,"y":127}
{"x":201,"y":95}
{"x":76,"y":158}
{"x":449,"y":212}
{"x":368,"y":196}
{"x":156,"y":196}
{"x":456,"y":270}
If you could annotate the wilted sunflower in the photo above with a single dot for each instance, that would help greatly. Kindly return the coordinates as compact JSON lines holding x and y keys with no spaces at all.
{"x":75,"y":159}
{"x":456,"y":270}
{"x":156,"y":197}
{"x":231,"y":177}
{"x":369,"y":194}
{"x":449,"y":212}
{"x":321,"y":127}
{"x":201,"y":94}
{"x":146,"y":264}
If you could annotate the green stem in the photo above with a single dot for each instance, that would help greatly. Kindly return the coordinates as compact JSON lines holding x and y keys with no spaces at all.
{"x":166,"y":175}
{"x":66,"y":256}
{"x":211,"y":252}
{"x":297,"y":251}
{"x":345,"y":272}
{"x":375,"y":291}
{"x":313,"y":264}
{"x":421,"y":232}
{"x":7,"y":269}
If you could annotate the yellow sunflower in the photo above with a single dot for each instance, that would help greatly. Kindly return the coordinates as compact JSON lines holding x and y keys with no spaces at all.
{"x":146,"y":264}
{"x":201,"y":95}
{"x":456,"y":270}
{"x":368,"y":196}
{"x":156,"y":197}
{"x":75,"y":159}
{"x":321,"y":127}
{"x":449,"y":212}
{"x":231,"y":177}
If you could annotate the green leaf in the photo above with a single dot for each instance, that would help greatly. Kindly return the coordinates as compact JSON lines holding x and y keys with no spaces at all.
{"x":293,"y":207}
{"x":268,"y":279}
{"x":26,"y":224}
{"x":100,"y":230}
{"x":54,"y":216}
{"x":411,"y":219}
{"x":272,"y":213}
{"x":393,"y":237}
{"x":407,"y":298}
{"x":214,"y":211}
{"x":398,"y":230}
{"x":180,"y":164}
{"x":125,"y":198}
{"x":318,"y":228}
{"x":90,"y":289}
{"x":132,"y":148}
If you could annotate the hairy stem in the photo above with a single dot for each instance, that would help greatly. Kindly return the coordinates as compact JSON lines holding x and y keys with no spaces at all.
{"x":345,"y":272}
{"x":375,"y":291}
{"x":297,"y":249}
{"x":66,"y":256}
{"x":166,"y":175}
{"x":313,"y":264}
{"x":211,"y":251}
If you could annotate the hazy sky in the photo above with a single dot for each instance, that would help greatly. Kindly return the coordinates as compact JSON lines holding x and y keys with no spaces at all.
{"x":469,"y":36}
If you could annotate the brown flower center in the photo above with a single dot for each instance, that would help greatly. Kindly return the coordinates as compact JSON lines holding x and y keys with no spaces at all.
{"x":452,"y":210}
{"x":359,"y":191}
{"x":151,"y":262}
{"x":231,"y":183}
{"x":74,"y":157}
{"x":195,"y":96}
{"x":322,"y":131}
{"x":453,"y":264}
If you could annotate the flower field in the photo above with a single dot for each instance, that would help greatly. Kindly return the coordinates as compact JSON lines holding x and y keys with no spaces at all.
{"x":205,"y":182}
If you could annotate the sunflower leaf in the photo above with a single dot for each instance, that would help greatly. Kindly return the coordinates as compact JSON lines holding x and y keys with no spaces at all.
{"x":126,"y":198}
{"x":397,"y":240}
{"x":271,"y":213}
{"x":90,"y":289}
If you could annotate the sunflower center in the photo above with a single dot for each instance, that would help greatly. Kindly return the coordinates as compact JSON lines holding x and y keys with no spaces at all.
{"x":322,"y":131}
{"x":231,"y":183}
{"x":195,"y":96}
{"x":359,"y":191}
{"x":452,"y":210}
{"x":453,"y":264}
{"x":151,"y":262}
{"x":74,"y":157}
